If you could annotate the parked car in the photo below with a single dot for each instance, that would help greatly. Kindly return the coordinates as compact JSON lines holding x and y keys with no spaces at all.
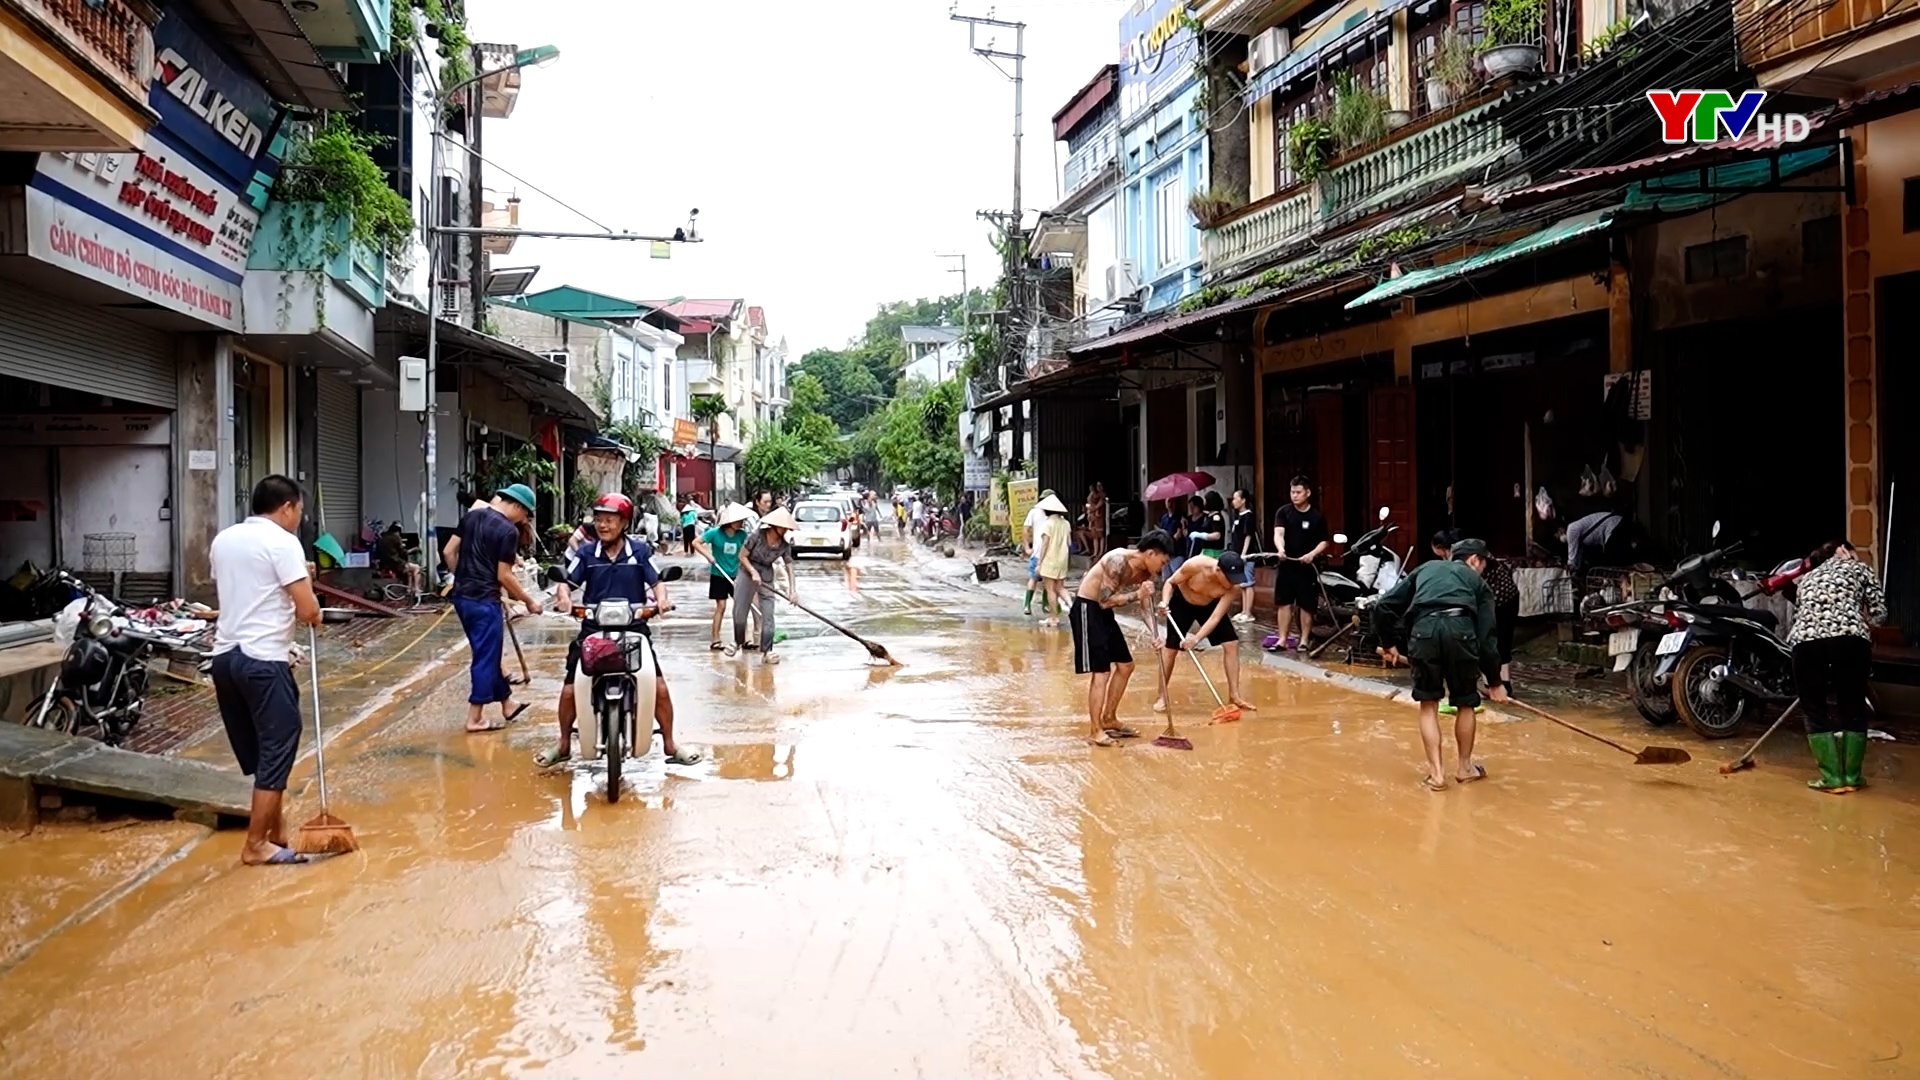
{"x":826,"y":525}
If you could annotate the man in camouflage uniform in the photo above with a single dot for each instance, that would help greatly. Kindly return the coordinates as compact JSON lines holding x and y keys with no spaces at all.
{"x":1443,"y":614}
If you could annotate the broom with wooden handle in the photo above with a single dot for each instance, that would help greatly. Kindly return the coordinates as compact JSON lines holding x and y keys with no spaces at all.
{"x":326,"y":834}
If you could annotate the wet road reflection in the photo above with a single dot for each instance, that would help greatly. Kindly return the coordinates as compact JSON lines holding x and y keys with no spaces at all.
{"x":923,"y":872}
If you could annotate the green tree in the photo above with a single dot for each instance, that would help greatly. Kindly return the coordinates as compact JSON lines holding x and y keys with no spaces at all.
{"x":805,"y":419}
{"x":849,"y":389}
{"x":780,"y":460}
{"x":919,"y":438}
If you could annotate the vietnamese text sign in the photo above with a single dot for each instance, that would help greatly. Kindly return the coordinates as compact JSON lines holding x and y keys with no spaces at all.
{"x":997,"y":504}
{"x":74,"y":240}
{"x":978,"y":472}
{"x":684,"y":432}
{"x":85,"y":429}
{"x":163,"y":191}
{"x":1021,"y":495}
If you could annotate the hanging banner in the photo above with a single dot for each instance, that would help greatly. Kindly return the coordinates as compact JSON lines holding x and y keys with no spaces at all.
{"x":997,"y":504}
{"x":217,"y":110}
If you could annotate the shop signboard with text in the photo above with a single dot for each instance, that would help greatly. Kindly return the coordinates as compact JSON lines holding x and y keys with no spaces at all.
{"x":1021,"y":495}
{"x":1157,"y":53}
{"x":209,"y":103}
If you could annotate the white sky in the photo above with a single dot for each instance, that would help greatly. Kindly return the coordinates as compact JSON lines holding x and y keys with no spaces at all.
{"x":833,"y":148}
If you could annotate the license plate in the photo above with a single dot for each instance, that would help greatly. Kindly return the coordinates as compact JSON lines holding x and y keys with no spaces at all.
{"x":1623,"y":641}
{"x":816,"y":540}
{"x":1672,"y":643}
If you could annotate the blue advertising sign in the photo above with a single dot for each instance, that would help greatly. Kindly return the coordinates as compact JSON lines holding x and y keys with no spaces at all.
{"x":219,"y":111}
{"x":1156,"y":54}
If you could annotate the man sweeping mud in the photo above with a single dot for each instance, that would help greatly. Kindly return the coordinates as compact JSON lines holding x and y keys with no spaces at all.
{"x":1123,"y":576}
{"x":1196,"y":598}
{"x":1443,"y":614}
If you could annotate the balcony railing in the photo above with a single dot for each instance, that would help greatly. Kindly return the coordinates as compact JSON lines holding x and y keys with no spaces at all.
{"x":1088,"y":161}
{"x":114,"y":35}
{"x":306,"y":237}
{"x":1426,"y":159}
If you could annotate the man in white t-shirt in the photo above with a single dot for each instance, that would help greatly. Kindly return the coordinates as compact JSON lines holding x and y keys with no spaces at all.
{"x":1029,"y":540}
{"x":260,"y":571}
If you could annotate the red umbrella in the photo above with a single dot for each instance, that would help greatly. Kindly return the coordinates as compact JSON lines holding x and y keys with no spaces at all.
{"x":1177,"y":486}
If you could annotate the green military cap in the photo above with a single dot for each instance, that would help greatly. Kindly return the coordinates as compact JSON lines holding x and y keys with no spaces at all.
{"x":1469,"y":547}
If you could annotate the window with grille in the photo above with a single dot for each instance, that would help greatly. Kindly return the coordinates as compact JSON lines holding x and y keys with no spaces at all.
{"x":1169,"y":207}
{"x":1287,"y":112}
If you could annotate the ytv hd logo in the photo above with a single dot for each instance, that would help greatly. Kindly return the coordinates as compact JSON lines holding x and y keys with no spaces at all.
{"x":1702,"y":116}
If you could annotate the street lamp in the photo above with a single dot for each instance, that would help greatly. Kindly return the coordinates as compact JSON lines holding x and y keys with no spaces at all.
{"x":539,"y":54}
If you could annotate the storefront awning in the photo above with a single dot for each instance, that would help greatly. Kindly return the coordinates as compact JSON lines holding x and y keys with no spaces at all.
{"x":401,"y":330}
{"x":1564,"y":231}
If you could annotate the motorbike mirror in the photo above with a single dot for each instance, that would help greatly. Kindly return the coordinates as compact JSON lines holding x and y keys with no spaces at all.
{"x":1385,"y":513}
{"x":1716,"y":530}
{"x":672,"y":573}
{"x":1339,"y":538}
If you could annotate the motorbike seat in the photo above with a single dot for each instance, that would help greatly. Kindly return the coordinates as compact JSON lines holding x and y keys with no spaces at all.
{"x":1760,"y":615}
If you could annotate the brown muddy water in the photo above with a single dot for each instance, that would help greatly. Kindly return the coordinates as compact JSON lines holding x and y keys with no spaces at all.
{"x":924,"y":872}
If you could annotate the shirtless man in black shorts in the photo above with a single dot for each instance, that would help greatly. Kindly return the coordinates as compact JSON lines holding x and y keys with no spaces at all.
{"x":1197,"y":598}
{"x":1122,"y":576}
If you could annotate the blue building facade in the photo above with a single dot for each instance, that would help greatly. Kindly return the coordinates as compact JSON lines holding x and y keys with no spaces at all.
{"x":1163,"y":150}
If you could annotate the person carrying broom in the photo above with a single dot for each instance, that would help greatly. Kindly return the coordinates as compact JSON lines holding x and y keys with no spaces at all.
{"x":1194,"y":603}
{"x":1443,"y":613}
{"x":1123,"y":576}
{"x":261,"y":575}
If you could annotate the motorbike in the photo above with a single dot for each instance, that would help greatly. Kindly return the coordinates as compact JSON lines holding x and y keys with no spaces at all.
{"x":618,"y":677}
{"x":102,"y":682}
{"x":1365,"y":571}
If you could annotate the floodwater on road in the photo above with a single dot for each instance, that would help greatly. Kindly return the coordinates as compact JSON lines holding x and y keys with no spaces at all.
{"x":925,"y":871}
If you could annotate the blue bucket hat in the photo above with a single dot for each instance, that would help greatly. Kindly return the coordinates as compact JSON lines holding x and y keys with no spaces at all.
{"x":521,"y":494}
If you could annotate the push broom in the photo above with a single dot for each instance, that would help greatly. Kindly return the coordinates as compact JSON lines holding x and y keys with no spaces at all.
{"x":326,"y":834}
{"x":1169,"y":738}
{"x":1225,"y":714}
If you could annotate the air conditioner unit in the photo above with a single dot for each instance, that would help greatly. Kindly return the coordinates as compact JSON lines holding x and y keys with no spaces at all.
{"x":1269,"y":48}
{"x":449,"y":299}
{"x":1123,"y":280}
{"x":557,"y":357}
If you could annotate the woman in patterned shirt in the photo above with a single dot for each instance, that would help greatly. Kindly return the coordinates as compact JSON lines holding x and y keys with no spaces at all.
{"x":1833,"y":648}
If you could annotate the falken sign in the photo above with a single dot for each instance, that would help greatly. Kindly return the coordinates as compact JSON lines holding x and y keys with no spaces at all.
{"x":1156,"y":53}
{"x":221,"y":113}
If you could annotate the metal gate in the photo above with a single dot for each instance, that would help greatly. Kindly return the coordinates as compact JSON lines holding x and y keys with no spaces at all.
{"x":49,"y":340}
{"x":338,"y":456}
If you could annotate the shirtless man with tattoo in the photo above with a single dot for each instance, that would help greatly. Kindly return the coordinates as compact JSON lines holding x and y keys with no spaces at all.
{"x":1123,"y":576}
{"x":1193,"y":607}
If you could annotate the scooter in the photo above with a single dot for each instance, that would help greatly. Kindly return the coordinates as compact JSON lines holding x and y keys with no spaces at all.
{"x":620,"y":674}
{"x":102,"y":682}
{"x":1365,"y":571}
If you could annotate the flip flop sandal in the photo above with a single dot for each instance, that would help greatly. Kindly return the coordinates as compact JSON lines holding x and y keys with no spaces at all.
{"x":515,"y":714}
{"x":687,"y":757}
{"x":1432,"y":784}
{"x":285,"y":857}
{"x":1102,"y":739}
{"x":716,"y":647}
{"x":1122,"y":731}
{"x":1159,"y":706}
{"x":1479,"y":773}
{"x":547,"y":758}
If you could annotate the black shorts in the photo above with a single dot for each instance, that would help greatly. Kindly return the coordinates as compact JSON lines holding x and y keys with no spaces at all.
{"x":1446,"y":660}
{"x":260,"y":706}
{"x":1189,"y":616}
{"x":1098,"y":643}
{"x":718,"y":587}
{"x":1295,"y":583}
{"x":573,"y":653}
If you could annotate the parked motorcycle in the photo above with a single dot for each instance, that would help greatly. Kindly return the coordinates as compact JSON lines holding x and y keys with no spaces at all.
{"x":1364,"y":572}
{"x":102,"y":683}
{"x":619,"y":673}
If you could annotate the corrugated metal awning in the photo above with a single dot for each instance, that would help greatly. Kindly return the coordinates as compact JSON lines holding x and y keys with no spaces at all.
{"x":1302,"y":59}
{"x":1564,"y":231}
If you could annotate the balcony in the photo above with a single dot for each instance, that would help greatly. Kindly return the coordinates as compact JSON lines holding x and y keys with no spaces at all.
{"x":499,"y":217}
{"x":1371,"y":179}
{"x":346,"y":31}
{"x":500,"y":91}
{"x":1826,"y":48}
{"x":307,"y":275}
{"x":74,"y":74}
{"x":1089,"y":162}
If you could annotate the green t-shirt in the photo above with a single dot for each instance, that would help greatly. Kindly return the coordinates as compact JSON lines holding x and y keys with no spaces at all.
{"x":726,"y":549}
{"x":688,"y":516}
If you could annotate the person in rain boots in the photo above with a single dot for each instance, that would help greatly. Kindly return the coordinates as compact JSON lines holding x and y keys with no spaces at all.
{"x":1443,"y":613}
{"x":1832,"y":650}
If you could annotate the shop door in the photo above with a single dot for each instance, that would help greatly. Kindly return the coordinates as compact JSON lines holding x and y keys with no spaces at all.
{"x":252,"y":431}
{"x":1899,"y":309}
{"x":338,"y":457}
{"x":1390,"y":429}
{"x":49,"y":340}
{"x":1166,"y":432}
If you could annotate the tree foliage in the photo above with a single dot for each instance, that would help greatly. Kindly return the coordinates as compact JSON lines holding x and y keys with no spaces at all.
{"x":918,"y":441}
{"x":781,"y":461}
{"x":848,"y":388}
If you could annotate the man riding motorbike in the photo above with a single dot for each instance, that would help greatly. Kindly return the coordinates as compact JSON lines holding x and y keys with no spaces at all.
{"x":614,"y":567}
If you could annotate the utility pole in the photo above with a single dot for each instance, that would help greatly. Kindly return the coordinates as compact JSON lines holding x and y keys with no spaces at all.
{"x":966,"y":300}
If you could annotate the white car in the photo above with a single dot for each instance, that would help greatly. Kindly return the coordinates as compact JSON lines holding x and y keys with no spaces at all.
{"x":826,"y":525}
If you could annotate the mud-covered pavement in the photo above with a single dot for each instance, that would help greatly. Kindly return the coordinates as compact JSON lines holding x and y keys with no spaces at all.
{"x":925,"y":872}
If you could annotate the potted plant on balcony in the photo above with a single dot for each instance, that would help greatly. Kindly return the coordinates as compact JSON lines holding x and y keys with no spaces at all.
{"x":1358,"y":114}
{"x":1513,"y":33}
{"x":1311,"y":144}
{"x":331,"y":200}
{"x":1209,"y":206}
{"x":1451,"y":77}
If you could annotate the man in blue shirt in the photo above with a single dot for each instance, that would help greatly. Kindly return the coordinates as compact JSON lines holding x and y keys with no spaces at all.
{"x":614,"y":567}
{"x":481,"y":556}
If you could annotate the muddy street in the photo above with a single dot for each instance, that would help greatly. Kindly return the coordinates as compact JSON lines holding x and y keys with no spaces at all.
{"x":926,"y":872}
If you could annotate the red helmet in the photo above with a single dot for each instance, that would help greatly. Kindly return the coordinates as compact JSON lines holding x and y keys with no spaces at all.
{"x":614,"y":504}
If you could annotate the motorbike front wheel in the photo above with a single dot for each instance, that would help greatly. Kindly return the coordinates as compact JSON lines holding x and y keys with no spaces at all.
{"x":615,"y":727}
{"x":1701,"y":695}
{"x":1652,"y":695}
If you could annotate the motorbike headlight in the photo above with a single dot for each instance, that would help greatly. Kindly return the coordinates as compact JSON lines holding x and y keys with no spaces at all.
{"x":100,"y":626}
{"x":613,"y":613}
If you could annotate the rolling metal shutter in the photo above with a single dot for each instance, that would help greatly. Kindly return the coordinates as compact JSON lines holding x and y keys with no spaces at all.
{"x":339,"y":456}
{"x":47,"y":339}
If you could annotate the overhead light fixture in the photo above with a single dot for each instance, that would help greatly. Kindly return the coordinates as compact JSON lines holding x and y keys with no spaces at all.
{"x":306,"y":7}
